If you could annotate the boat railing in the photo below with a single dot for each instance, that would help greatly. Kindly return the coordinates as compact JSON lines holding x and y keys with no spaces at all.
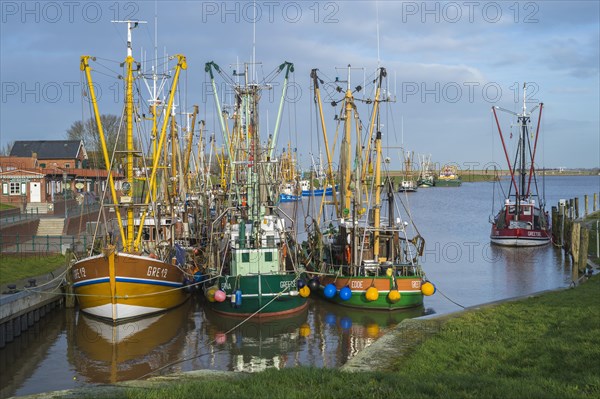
{"x":370,"y":269}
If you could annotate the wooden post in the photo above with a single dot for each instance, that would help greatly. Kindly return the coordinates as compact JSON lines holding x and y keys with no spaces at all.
{"x":567,"y":232}
{"x":555,"y":231}
{"x":594,"y":207}
{"x":585,"y":205}
{"x":584,"y":236}
{"x":576,"y":207}
{"x":561,"y":223}
{"x":574,"y":249}
{"x":571,"y":206}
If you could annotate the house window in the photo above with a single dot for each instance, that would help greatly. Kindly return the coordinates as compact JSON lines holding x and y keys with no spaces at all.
{"x":5,"y":188}
{"x":67,"y":165}
{"x":268,"y":256}
{"x":245,"y":257}
{"x":14,"y":188}
{"x":42,"y":165}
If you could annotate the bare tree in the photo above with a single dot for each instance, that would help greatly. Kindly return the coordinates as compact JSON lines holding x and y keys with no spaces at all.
{"x":88,"y":132}
{"x":5,"y":149}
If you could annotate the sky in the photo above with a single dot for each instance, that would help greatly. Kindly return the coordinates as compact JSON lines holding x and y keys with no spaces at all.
{"x":448,"y":63}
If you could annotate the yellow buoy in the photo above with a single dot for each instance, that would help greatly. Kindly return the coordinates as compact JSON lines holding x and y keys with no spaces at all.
{"x":394,"y":296}
{"x":304,"y":330}
{"x":373,"y":330}
{"x":372,"y":294}
{"x":210,"y":294}
{"x":427,"y":288}
{"x":304,"y":291}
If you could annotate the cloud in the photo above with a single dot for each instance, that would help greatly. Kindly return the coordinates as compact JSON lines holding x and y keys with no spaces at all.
{"x":445,"y":72}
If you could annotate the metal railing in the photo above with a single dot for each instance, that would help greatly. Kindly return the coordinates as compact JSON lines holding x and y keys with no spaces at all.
{"x":17,"y":217}
{"x":34,"y":244}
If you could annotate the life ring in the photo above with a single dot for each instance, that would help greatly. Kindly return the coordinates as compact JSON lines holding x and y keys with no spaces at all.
{"x":348,"y":254}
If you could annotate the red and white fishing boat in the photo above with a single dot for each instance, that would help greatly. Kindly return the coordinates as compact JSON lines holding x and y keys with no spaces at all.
{"x":522,"y":221}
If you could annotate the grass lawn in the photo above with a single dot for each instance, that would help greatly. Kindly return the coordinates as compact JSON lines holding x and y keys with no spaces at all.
{"x":4,"y":207}
{"x":16,"y":267}
{"x":542,"y":347}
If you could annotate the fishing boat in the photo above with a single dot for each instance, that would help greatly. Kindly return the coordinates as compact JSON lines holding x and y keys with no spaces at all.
{"x":361,"y":259}
{"x":317,"y":186}
{"x":426,"y":178}
{"x":522,"y":220}
{"x":408,"y":184}
{"x":254,"y":270}
{"x":448,"y":177}
{"x":135,"y":267}
{"x":289,"y":190}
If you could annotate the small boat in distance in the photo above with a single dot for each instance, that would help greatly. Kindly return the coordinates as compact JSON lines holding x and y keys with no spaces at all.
{"x":408,"y":184}
{"x":426,"y":178}
{"x":522,"y":221}
{"x":448,"y":177}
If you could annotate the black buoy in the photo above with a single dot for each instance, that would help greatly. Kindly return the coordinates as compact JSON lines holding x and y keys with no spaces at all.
{"x":313,"y":284}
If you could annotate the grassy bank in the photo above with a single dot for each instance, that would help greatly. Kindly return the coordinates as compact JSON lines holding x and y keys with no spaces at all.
{"x":17,"y":267}
{"x":476,"y":177}
{"x":4,"y":206}
{"x":542,"y":347}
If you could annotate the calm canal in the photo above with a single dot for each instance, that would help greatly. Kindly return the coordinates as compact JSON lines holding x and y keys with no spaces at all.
{"x":69,"y":350}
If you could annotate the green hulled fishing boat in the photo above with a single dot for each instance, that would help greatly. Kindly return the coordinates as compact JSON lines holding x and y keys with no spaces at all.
{"x":365,"y":258}
{"x":253,"y":271}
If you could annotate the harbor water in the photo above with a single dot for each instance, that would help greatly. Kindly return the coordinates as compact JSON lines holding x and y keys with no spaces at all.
{"x":69,"y":350}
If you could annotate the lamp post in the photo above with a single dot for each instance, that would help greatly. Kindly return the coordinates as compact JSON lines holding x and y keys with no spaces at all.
{"x":65,"y":193}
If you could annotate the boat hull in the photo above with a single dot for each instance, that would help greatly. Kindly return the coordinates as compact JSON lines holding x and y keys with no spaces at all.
{"x":520,"y":237}
{"x":289,"y":198}
{"x":266,"y":295}
{"x":409,"y":288}
{"x":318,"y":192}
{"x":134,"y":286}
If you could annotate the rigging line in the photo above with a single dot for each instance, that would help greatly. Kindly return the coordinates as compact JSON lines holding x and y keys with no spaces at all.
{"x":444,"y":295}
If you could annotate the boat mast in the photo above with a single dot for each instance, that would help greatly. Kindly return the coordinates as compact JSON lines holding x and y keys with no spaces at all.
{"x":524,"y":119}
{"x":128,"y":245}
{"x":346,"y":148}
{"x":377,"y":211}
{"x":330,"y":179}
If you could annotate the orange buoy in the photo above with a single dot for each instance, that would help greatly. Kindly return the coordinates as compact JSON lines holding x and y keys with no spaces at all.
{"x":427,"y":288}
{"x":394,"y":296}
{"x":372,"y":294}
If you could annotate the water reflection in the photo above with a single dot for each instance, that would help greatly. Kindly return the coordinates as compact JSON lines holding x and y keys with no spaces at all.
{"x":527,"y":270}
{"x":255,"y":345}
{"x":107,"y":353}
{"x":339,"y":333}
